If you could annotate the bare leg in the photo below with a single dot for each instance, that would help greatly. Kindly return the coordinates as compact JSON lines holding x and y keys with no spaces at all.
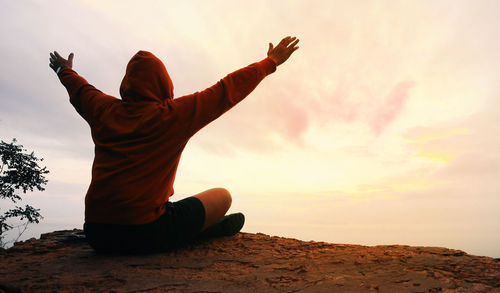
{"x":216,"y":202}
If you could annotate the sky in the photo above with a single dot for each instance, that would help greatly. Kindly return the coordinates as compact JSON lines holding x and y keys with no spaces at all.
{"x":381,"y":129}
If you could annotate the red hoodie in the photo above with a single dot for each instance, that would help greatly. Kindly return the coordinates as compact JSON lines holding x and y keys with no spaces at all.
{"x":139,"y":139}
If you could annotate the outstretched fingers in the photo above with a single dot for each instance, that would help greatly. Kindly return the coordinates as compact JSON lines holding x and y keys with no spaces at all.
{"x":57,"y":61}
{"x":289,"y":43}
{"x":284,"y":41}
{"x":283,"y":50}
{"x":294,"y":46}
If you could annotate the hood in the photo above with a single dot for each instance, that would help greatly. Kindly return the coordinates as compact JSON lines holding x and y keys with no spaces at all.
{"x":146,"y":80}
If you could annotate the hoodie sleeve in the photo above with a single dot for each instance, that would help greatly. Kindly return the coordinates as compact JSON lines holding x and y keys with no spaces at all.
{"x":199,"y":109}
{"x":88,"y":101}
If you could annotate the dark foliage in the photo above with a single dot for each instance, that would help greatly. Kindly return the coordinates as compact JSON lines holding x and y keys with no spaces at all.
{"x":19,"y":171}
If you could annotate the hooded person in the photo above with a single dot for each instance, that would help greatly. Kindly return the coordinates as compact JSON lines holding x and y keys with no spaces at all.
{"x":138,"y":142}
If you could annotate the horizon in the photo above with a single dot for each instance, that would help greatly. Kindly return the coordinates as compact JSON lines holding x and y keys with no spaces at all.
{"x":381,"y":129}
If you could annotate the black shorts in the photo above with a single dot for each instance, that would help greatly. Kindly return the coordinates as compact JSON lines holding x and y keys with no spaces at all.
{"x":179,"y":225}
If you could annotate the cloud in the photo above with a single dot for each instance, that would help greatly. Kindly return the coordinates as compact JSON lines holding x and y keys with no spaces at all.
{"x":287,"y":116}
{"x":315,"y":88}
{"x":391,"y":108}
{"x":473,"y":143}
{"x":281,"y":110}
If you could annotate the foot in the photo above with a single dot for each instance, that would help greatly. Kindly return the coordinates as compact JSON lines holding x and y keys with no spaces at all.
{"x":228,"y":226}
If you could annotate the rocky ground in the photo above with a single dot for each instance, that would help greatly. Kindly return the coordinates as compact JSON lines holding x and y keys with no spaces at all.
{"x":63,"y":262}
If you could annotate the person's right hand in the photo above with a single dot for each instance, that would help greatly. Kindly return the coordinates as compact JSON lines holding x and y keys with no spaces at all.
{"x":57,"y":61}
{"x":283,"y":50}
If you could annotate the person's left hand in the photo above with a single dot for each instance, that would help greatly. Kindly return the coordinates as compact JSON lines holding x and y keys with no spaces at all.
{"x":283,"y":50}
{"x":57,"y":61}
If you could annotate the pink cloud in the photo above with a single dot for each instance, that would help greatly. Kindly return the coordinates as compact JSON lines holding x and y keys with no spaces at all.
{"x":289,"y":119}
{"x":297,"y":124}
{"x":335,"y":103}
{"x":286,"y":112}
{"x":289,"y":111}
{"x":392,"y":107}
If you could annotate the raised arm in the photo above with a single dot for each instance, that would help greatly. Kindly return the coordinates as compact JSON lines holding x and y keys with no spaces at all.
{"x":87,"y":100}
{"x":199,"y":109}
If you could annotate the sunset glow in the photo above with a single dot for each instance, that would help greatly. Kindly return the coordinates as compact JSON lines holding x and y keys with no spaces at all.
{"x":383,"y":128}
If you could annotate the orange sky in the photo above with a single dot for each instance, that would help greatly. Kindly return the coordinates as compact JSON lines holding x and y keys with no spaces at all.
{"x":381,"y":129}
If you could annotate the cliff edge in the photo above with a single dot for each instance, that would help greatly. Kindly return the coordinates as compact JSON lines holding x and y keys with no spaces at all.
{"x":62,"y":261}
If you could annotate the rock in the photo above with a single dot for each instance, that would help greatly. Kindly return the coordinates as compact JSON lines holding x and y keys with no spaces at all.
{"x":62,"y":261}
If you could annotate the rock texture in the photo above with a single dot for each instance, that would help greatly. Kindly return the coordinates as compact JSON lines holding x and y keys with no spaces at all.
{"x":63,"y":262}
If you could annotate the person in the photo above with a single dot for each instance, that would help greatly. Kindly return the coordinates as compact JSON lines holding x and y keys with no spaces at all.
{"x":138,"y":144}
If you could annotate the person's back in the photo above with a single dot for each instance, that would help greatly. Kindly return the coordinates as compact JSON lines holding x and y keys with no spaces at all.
{"x":138,"y":143}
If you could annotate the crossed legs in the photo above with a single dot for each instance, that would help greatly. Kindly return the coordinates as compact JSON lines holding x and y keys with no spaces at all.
{"x":217,"y":202}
